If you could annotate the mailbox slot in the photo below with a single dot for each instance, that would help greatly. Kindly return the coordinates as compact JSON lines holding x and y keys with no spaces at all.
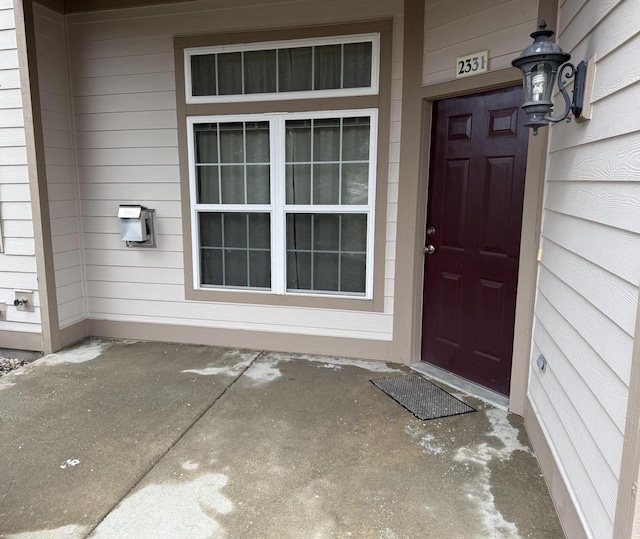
{"x":137,"y":225}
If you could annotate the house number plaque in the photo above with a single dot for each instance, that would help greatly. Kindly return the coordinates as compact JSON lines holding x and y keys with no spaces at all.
{"x":472,"y":64}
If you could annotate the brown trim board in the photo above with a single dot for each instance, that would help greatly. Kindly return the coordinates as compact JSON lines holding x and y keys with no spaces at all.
{"x":21,"y":340}
{"x":492,"y":80}
{"x":278,"y":34}
{"x":26,"y":44}
{"x":528,"y":270}
{"x":292,"y":105}
{"x":235,"y":338}
{"x":408,"y":279}
{"x":627,"y":522}
{"x":75,"y":6}
{"x":382,"y":102}
{"x":55,"y":5}
{"x":73,"y":333}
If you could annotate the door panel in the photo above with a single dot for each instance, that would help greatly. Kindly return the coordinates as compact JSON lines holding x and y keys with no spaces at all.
{"x":494,"y":237}
{"x":476,"y":191}
{"x":456,"y":177}
{"x":450,"y":315}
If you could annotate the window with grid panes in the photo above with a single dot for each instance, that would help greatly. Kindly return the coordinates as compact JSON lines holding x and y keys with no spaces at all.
{"x":283,"y":202}
{"x":303,"y":68}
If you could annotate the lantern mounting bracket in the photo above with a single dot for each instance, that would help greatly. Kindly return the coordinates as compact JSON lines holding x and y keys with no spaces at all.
{"x":574,"y":105}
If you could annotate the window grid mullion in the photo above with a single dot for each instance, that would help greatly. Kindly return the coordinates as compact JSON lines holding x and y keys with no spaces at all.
{"x":341,"y":65}
{"x":233,"y":208}
{"x":247,"y":250}
{"x":244,"y":160}
{"x":219,"y":162}
{"x":216,"y":68}
{"x":277,"y":71}
{"x":340,"y":164}
{"x":313,"y":67}
{"x":340,"y":254}
{"x":224,"y":258}
{"x":242,"y":72}
{"x":278,"y":226}
{"x":325,"y":208}
{"x":349,"y":161}
{"x":313,"y":250}
{"x":311,"y":138}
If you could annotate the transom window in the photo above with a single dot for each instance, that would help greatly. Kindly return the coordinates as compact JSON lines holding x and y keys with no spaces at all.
{"x":344,"y":65}
{"x":283,"y":203}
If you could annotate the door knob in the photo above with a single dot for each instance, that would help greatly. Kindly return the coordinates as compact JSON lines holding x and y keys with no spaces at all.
{"x":431,"y":231}
{"x":429,"y":249}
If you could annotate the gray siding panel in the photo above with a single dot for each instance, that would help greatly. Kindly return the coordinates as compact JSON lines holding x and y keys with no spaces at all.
{"x":17,"y":261}
{"x":57,"y":119}
{"x":457,"y":28}
{"x":590,"y":268}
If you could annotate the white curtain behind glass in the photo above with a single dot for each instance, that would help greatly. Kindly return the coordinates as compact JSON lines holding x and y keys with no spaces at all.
{"x":297,"y":69}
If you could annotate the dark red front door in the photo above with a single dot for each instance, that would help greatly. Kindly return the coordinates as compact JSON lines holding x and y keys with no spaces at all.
{"x":476,"y":190}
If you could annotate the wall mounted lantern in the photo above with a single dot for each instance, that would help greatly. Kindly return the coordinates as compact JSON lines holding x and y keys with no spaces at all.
{"x":540,"y":64}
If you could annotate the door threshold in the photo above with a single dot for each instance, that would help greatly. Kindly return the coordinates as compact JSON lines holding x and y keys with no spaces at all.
{"x":457,"y":382}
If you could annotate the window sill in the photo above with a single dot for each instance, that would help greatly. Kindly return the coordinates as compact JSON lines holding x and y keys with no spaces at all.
{"x":303,"y":301}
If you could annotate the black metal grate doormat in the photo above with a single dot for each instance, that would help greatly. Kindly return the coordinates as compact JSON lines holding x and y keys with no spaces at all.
{"x":422,"y":398}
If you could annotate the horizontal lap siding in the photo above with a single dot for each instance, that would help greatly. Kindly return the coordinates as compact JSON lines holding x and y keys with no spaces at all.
{"x":122,"y":72}
{"x":60,"y":164}
{"x":17,"y":262}
{"x":590,"y":268}
{"x":394,"y":166}
{"x":455,"y":28}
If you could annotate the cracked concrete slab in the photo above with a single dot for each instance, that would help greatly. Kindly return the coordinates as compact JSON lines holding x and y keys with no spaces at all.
{"x":301,"y":446}
{"x":78,"y":429}
{"x":152,"y":440}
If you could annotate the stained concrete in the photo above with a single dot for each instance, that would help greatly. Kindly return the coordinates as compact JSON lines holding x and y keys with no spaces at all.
{"x":188,"y":441}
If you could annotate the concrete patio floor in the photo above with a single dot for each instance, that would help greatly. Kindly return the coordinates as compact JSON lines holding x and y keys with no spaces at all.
{"x":116,"y":439}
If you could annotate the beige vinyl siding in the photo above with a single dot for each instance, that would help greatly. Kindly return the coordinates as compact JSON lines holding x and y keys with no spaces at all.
{"x":17,"y":262}
{"x":394,"y":163}
{"x":57,"y":123}
{"x":459,"y":27}
{"x":122,"y":70}
{"x":590,"y":268}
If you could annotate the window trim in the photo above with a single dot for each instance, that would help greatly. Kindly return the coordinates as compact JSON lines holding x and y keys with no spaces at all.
{"x":382,"y":102}
{"x":373,"y":89}
{"x":278,"y":209}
